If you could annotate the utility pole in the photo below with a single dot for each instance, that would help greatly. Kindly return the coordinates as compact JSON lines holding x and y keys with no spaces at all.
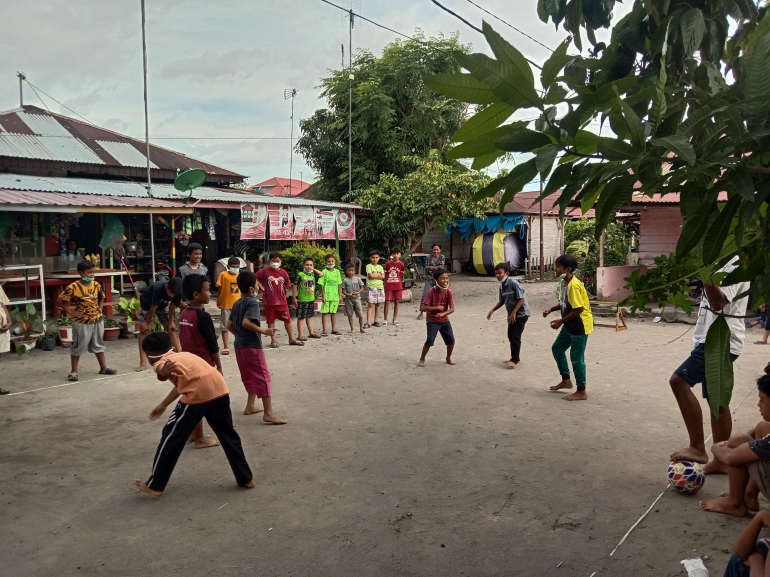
{"x":350,"y":102}
{"x":542,"y":251}
{"x":146,"y":115}
{"x":22,"y":78}
{"x":291,"y":93}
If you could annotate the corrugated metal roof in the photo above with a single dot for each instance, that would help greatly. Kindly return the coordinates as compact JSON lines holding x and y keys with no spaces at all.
{"x":60,"y":199}
{"x":47,"y":148}
{"x":88,"y":186}
{"x":125,"y":154}
{"x":670,"y":198}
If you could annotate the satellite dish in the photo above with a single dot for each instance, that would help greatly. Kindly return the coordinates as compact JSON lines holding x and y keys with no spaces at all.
{"x":188,"y":180}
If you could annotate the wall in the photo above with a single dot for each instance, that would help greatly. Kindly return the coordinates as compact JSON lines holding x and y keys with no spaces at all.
{"x":659,"y":230}
{"x":552,"y":237}
{"x":610,"y":284}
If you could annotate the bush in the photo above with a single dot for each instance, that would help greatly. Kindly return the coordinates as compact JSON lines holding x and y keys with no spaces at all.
{"x":616,"y":245}
{"x":293,"y":258}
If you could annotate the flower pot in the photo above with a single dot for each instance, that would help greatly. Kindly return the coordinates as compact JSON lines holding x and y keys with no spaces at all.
{"x":65,"y":335}
{"x":111,"y":334}
{"x":28,"y":344}
{"x":48,"y":343}
{"x":133,"y":327}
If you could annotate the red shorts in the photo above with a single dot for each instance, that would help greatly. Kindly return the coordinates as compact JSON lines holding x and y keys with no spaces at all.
{"x":393,"y":295}
{"x":280,"y":312}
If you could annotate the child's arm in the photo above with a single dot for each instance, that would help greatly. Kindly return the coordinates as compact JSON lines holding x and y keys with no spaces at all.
{"x":451,"y":308}
{"x":252,"y":326}
{"x":339,"y":287}
{"x":65,"y":306}
{"x":740,"y":455}
{"x":494,"y":308}
{"x":559,"y":322}
{"x":519,"y":304}
{"x":147,"y":324}
{"x":217,"y":363}
{"x":747,"y":540}
{"x":170,"y":398}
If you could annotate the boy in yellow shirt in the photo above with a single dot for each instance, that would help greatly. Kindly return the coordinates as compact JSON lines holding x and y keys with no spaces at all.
{"x":228,"y":294}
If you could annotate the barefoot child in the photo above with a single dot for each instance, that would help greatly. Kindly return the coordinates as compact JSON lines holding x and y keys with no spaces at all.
{"x":576,"y":324}
{"x":88,"y":325}
{"x":512,"y":296}
{"x":198,"y":336}
{"x":375,"y":277}
{"x":204,"y":394}
{"x":394,"y":274}
{"x":275,"y":282}
{"x":351,"y":291}
{"x":439,"y":304}
{"x":750,"y":552}
{"x":245,"y":325}
{"x":304,"y":296}
{"x":331,"y":281}
{"x":747,"y":459}
{"x":161,"y":298}
{"x":228,"y":294}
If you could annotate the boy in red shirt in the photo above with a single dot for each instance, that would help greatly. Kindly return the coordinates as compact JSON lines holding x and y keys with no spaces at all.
{"x":394,"y":274}
{"x":275,"y":282}
{"x":204,"y":394}
{"x":439,"y":304}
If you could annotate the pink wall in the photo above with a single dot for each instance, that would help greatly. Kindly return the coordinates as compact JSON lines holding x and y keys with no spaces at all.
{"x":610,"y":283}
{"x":659,"y":230}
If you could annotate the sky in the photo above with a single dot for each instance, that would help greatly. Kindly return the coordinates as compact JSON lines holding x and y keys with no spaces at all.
{"x":217,"y":71}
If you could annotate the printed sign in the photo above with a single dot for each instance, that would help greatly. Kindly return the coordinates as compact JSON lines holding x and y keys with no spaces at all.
{"x":324,"y":223}
{"x":253,"y":221}
{"x":281,"y":222}
{"x":304,"y":225}
{"x":346,"y":224}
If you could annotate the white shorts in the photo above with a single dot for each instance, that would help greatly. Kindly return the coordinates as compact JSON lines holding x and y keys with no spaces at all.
{"x":376,"y":296}
{"x":224,"y":316}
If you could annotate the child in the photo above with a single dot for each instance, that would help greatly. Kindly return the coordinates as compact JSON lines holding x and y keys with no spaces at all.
{"x":576,"y":324}
{"x":394,"y":273}
{"x":274,"y":281}
{"x":245,"y":325}
{"x":204,"y":394}
{"x":375,"y":276}
{"x":750,"y":552}
{"x":198,"y":336}
{"x":331,"y":281}
{"x":194,"y":265}
{"x":88,"y":326}
{"x":439,"y":304}
{"x":304,"y":283}
{"x":228,"y":294}
{"x":5,"y":325}
{"x":512,"y":296}
{"x":351,"y":290}
{"x":435,"y":261}
{"x":161,"y":298}
{"x":747,"y":458}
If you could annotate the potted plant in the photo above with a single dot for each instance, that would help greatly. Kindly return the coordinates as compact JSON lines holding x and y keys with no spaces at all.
{"x":129,"y":310}
{"x":31,"y":327}
{"x":48,"y":342}
{"x":64,"y":329}
{"x":111,"y":329}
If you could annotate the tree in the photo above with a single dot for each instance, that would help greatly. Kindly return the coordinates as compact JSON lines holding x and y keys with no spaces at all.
{"x":687,"y":108}
{"x":429,"y":197}
{"x":394,"y":114}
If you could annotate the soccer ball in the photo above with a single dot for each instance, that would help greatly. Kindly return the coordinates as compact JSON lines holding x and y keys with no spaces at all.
{"x":686,"y":476}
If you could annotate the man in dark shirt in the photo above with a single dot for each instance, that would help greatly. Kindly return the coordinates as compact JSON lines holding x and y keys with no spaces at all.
{"x":161,"y":298}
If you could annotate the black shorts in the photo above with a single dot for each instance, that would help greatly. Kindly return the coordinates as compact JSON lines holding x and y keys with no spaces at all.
{"x":693,"y":369}
{"x":305,"y":310}
{"x":446,"y":333}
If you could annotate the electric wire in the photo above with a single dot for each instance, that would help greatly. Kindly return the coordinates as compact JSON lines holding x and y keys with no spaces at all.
{"x":59,"y":103}
{"x":38,"y":96}
{"x":509,"y":25}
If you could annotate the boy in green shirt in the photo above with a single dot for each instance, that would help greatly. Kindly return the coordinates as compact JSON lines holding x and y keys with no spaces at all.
{"x":304,"y":284}
{"x":375,"y":283}
{"x":331,"y":281}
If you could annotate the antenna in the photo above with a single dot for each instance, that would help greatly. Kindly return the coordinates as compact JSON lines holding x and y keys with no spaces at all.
{"x":22,"y":78}
{"x":351,"y":22}
{"x":146,"y":117}
{"x":291,"y":93}
{"x":189,"y":180}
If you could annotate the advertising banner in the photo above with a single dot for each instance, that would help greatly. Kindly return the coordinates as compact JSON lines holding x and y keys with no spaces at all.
{"x":324,"y":223}
{"x":304,"y":222}
{"x":281,"y":222}
{"x":346,"y":224}
{"x":253,"y":221}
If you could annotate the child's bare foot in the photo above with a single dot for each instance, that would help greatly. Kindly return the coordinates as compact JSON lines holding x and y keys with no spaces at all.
{"x":205,"y":442}
{"x":363,"y":331}
{"x":449,"y":361}
{"x":249,"y":485}
{"x":421,"y":363}
{"x":510,"y":364}
{"x":252,"y":410}
{"x":579,"y":395}
{"x":142,"y":486}
{"x":690,"y":454}
{"x":141,"y":368}
{"x":273,"y":419}
{"x":751,"y":500}
{"x":723,"y":505}
{"x":564,"y":384}
{"x":715,"y":467}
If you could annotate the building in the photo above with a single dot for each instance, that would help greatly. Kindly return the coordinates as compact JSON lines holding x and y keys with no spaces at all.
{"x":277,"y":186}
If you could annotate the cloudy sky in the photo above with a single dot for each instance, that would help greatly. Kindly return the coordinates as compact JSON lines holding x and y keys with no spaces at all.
{"x":216,"y":69}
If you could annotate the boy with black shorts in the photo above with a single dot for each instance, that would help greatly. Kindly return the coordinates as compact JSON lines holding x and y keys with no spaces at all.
{"x":439,"y":304}
{"x":304,"y":295}
{"x":160,"y":299}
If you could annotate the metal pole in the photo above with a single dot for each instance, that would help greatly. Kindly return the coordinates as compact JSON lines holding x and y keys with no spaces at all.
{"x":291,"y":143}
{"x":146,"y":117}
{"x":152,"y":248}
{"x":173,"y":249}
{"x":542,"y":250}
{"x":22,"y":77}
{"x":601,"y":250}
{"x":350,"y":106}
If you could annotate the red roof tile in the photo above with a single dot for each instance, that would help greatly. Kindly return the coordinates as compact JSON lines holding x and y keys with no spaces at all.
{"x":278,"y":186}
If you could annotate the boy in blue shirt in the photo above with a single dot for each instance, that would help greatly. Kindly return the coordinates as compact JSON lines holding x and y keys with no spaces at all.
{"x":512,"y":296}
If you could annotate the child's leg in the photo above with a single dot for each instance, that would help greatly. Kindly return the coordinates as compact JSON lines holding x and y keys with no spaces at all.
{"x":515,"y":331}
{"x":270,"y":416}
{"x":350,"y":320}
{"x":577,"y":355}
{"x":425,"y":349}
{"x":142,"y":357}
{"x":396,"y":304}
{"x":559,"y":349}
{"x":449,"y":340}
{"x":202,"y":441}
{"x":74,"y":364}
{"x":360,"y":321}
{"x":309,"y":322}
{"x":251,"y":405}
{"x":225,"y":339}
{"x":177,"y":430}
{"x":387,"y":302}
{"x":299,"y":327}
{"x":289,"y":329}
{"x":376,"y":312}
{"x":734,"y":503}
{"x":432,"y":329}
{"x":220,"y":419}
{"x":324,"y":332}
{"x":333,"y":315}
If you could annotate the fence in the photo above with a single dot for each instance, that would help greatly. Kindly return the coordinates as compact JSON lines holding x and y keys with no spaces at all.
{"x":532,"y":267}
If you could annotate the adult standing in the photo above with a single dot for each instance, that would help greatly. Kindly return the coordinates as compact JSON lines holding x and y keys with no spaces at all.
{"x":693,"y":370}
{"x":5,"y":325}
{"x":433,"y":262}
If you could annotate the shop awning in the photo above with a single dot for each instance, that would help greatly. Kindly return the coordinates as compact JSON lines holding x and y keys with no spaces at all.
{"x":33,"y":201}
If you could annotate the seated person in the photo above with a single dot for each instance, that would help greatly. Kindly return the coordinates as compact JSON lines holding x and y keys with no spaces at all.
{"x":750,"y":552}
{"x":747,"y":458}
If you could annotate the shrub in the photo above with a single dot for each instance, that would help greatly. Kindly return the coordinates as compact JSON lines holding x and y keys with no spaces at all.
{"x":293,"y":258}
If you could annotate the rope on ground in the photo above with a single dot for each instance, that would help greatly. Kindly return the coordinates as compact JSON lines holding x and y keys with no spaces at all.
{"x":69,"y":384}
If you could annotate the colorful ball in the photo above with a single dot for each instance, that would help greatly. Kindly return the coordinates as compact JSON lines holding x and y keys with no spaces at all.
{"x":686,"y":476}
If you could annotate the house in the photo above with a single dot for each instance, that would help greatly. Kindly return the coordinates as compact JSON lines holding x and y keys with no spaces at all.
{"x":277,"y":186}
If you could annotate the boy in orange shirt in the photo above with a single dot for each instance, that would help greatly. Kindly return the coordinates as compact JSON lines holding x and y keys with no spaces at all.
{"x":204,"y":394}
{"x":228,"y":294}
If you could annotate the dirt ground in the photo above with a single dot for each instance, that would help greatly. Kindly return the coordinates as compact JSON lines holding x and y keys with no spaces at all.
{"x":384,"y":468}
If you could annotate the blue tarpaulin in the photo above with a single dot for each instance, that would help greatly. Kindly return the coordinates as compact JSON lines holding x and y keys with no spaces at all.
{"x":509,"y":222}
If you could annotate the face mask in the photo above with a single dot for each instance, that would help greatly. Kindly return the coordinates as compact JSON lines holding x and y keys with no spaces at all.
{"x":330,"y":266}
{"x":87,"y":279}
{"x":308,"y":270}
{"x":275,"y":265}
{"x":503,"y":279}
{"x":234,"y":270}
{"x":254,"y":295}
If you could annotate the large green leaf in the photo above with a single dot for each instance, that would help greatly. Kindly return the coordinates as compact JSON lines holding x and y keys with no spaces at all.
{"x":658,"y":110}
{"x":556,"y":93}
{"x":544,"y":159}
{"x":483,"y":161}
{"x":695,"y":225}
{"x":507,"y":54}
{"x":719,"y":229}
{"x":719,"y":365}
{"x":615,"y":149}
{"x":758,"y":85}
{"x":744,"y":183}
{"x":506,"y":82}
{"x":693,"y":28}
{"x":559,"y":178}
{"x":484,"y":121}
{"x":635,"y":129}
{"x":463,"y":87}
{"x":585,"y":142}
{"x":481,"y":145}
{"x":615,"y":193}
{"x":677,"y":144}
{"x":556,"y":61}
{"x":522,"y":140}
{"x":519,"y":176}
{"x":579,"y":176}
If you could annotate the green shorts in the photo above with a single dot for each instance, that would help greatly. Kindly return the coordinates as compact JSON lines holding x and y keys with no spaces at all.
{"x":330,"y":307}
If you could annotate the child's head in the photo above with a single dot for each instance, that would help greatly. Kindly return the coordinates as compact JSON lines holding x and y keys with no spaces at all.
{"x":174,"y":287}
{"x":566,"y":264}
{"x":84,"y":270}
{"x":72,"y":245}
{"x":274,"y":258}
{"x":330,"y":261}
{"x":196,"y":289}
{"x":442,"y":278}
{"x":195,"y":251}
{"x":309,"y":265}
{"x":763,"y":384}
{"x":350,"y":270}
{"x":395,"y":254}
{"x":233,"y":265}
{"x":155,"y":345}
{"x":247,"y":283}
{"x":502,"y":270}
{"x":374,"y":256}
{"x":436,"y":249}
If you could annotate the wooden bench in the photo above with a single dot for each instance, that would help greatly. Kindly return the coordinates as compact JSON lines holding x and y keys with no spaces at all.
{"x":620,"y":320}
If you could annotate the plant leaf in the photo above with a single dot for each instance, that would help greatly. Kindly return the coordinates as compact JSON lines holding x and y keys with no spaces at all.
{"x":693,"y":28}
{"x":635,"y":129}
{"x":658,"y":110}
{"x":544,"y":159}
{"x":717,"y":232}
{"x":463,"y":87}
{"x":556,"y":61}
{"x":615,"y":149}
{"x":556,"y":93}
{"x":484,"y":121}
{"x":506,"y":82}
{"x":757,"y":85}
{"x":526,"y":170}
{"x":481,"y":145}
{"x":522,"y":140}
{"x":507,"y":54}
{"x":719,"y":366}
{"x":615,"y":193}
{"x":559,"y":178}
{"x":696,"y":224}
{"x":744,"y":184}
{"x":677,"y":144}
{"x":483,"y":161}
